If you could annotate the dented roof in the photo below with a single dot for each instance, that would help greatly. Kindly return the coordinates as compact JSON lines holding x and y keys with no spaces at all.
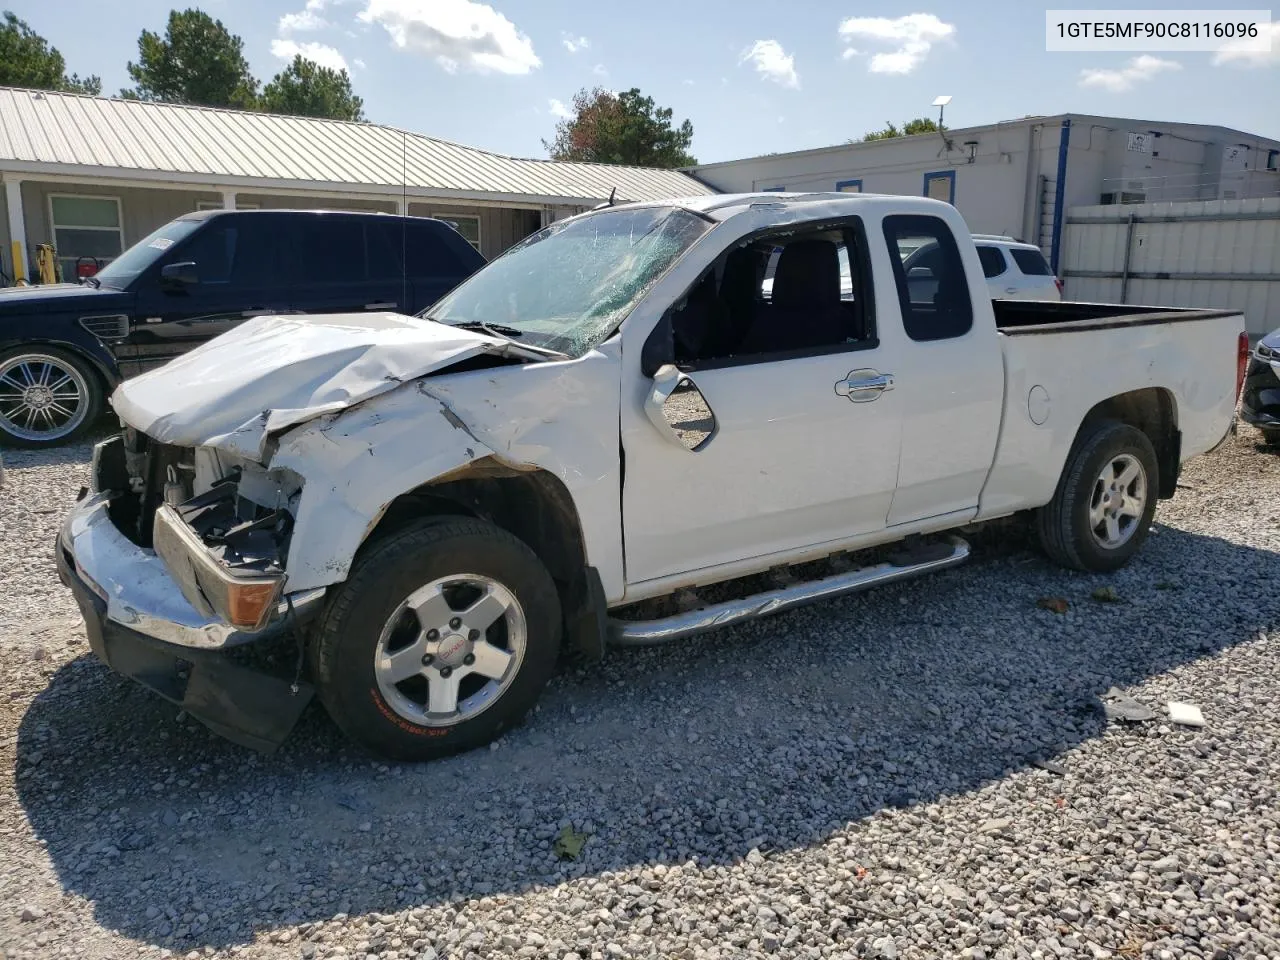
{"x":47,"y":132}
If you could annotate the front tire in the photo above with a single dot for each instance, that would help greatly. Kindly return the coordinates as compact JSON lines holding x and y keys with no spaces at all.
{"x":48,"y":396}
{"x":442,"y":638}
{"x":1101,"y":512}
{"x":1271,"y":436}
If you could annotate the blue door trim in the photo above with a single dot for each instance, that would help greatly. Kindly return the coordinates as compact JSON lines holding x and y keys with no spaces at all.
{"x":841,"y":184}
{"x":937,"y":175}
{"x":1059,"y":192}
{"x":778,"y":189}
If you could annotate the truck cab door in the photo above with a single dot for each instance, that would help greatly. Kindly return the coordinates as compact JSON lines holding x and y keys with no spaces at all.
{"x":218,"y":277}
{"x":775,"y":426}
{"x":951,"y":389}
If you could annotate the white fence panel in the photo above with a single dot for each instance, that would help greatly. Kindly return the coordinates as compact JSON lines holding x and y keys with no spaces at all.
{"x":1207,"y":253}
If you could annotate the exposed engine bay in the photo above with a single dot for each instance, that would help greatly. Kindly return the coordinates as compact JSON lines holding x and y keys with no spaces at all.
{"x":242,"y":512}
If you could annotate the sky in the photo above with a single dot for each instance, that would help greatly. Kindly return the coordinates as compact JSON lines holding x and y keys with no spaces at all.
{"x":753,"y":76}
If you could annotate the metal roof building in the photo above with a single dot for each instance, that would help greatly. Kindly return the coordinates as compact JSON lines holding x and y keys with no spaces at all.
{"x":93,"y":175}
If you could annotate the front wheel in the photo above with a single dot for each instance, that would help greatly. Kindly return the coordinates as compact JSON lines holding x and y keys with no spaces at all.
{"x":1106,"y":498}
{"x":443,"y":636}
{"x":47,"y":396}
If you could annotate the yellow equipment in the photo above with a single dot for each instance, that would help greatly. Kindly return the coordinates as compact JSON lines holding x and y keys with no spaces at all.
{"x":47,"y":264}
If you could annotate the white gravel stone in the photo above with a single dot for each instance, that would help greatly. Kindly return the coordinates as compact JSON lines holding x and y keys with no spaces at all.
{"x":921,"y":771}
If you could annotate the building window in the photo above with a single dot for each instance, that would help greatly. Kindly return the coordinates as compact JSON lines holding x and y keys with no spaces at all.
{"x":941,"y":186}
{"x":85,"y":227}
{"x":469,"y":227}
{"x":217,"y":205}
{"x":848,"y":186}
{"x":778,"y":189}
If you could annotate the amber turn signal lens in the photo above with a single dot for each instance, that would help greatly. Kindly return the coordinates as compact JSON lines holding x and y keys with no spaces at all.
{"x":247,"y":603}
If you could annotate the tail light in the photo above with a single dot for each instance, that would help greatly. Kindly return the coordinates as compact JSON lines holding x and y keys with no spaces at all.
{"x":1058,"y":283}
{"x":1242,"y":360}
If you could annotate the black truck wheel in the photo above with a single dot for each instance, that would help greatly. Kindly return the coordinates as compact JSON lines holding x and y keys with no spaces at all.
{"x":442,"y":637}
{"x":47,"y":396}
{"x":1101,"y":511}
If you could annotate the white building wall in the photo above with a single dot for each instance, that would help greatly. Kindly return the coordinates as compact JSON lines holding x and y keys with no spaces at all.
{"x":1007,"y":180}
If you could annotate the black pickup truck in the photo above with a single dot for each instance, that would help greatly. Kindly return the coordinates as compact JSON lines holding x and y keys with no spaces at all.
{"x":64,"y":347}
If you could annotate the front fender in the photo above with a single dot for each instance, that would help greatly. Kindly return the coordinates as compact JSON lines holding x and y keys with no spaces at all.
{"x":559,"y":417}
{"x":354,"y":464}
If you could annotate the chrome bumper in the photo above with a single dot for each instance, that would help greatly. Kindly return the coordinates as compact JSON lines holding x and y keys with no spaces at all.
{"x":141,"y":594}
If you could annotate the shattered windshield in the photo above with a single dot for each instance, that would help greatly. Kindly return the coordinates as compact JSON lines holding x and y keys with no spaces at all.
{"x":567,"y":287}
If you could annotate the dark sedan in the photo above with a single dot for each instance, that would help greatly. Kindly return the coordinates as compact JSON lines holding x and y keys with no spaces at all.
{"x":1260,"y":399}
{"x":64,"y":347}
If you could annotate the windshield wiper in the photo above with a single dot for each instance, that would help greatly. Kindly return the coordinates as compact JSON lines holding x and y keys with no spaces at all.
{"x":93,"y":282}
{"x":500,"y":332}
{"x":493,"y":329}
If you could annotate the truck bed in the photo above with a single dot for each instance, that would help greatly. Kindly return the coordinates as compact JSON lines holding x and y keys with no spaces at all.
{"x":1019,"y":317}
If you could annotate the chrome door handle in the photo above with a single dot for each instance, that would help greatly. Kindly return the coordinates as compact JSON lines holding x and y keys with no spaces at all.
{"x":382,"y":305}
{"x":863,"y":386}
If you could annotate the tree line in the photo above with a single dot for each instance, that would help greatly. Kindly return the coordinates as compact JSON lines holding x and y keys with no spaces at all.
{"x":196,"y":61}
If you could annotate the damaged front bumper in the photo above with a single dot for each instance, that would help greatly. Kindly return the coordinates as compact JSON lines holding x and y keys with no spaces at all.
{"x":140,"y":625}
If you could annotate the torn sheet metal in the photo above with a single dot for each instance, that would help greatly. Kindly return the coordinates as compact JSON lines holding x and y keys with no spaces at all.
{"x":273,"y":373}
{"x":561,"y":417}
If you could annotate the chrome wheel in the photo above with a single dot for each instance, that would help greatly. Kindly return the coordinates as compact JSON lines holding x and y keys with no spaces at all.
{"x":450,"y":650}
{"x":1118,"y":502}
{"x":42,"y":397}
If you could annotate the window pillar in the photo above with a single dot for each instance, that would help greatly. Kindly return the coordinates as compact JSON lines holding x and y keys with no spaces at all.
{"x":17,"y":227}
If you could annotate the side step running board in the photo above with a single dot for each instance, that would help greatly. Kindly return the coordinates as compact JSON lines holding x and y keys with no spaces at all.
{"x":645,"y":633}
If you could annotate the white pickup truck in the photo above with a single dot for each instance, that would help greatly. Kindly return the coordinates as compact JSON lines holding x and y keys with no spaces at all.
{"x":609,"y":434}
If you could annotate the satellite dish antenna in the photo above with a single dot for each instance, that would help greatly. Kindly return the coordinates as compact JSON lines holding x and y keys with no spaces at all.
{"x":941,"y":104}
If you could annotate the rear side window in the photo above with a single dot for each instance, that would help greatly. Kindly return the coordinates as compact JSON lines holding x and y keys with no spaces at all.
{"x":331,"y":250}
{"x":933,"y":290}
{"x":430,"y":252}
{"x":385,"y":240}
{"x":993,"y":262}
{"x":1031,"y":262}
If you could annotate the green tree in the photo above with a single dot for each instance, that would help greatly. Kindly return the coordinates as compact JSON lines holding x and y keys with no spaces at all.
{"x":306,"y":89}
{"x":910,"y":128}
{"x":27,"y":60}
{"x":197,"y":61}
{"x":608,"y":127}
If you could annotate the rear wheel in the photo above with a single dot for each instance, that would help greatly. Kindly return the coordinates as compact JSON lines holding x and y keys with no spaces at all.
{"x":47,"y":396}
{"x":1271,"y":436}
{"x":443,"y":637}
{"x":1102,"y":509}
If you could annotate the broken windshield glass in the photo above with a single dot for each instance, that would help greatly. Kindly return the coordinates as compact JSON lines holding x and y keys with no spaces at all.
{"x":568,"y":286}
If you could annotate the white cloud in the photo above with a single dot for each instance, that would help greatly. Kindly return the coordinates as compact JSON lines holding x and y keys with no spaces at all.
{"x":911,"y":38}
{"x":308,"y":18}
{"x":688,"y":83}
{"x":773,"y":63}
{"x":574,"y":44}
{"x":1232,"y":53}
{"x":599,"y":70}
{"x":320,"y":53}
{"x":455,"y":33}
{"x":358,"y":63}
{"x":558,"y":109}
{"x":1137,"y":70}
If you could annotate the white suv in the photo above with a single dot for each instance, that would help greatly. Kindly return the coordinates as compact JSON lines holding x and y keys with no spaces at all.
{"x":1016,"y":271}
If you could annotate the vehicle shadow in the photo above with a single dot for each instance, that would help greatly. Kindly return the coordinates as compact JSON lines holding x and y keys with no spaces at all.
{"x":776,"y":733}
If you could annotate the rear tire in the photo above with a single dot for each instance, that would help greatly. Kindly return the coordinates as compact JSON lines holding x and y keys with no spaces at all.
{"x":1270,"y":436}
{"x":1101,"y":512}
{"x":442,"y":638}
{"x":48,"y":396}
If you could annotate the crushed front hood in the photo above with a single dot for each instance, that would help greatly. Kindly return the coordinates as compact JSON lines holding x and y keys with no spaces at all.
{"x":272,"y":373}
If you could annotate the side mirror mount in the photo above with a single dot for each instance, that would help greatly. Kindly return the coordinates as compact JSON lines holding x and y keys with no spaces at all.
{"x":179,"y":276}
{"x":658,"y":349}
{"x":678,"y":410}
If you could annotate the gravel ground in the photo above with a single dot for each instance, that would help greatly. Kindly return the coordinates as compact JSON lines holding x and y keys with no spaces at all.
{"x":922,"y":771}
